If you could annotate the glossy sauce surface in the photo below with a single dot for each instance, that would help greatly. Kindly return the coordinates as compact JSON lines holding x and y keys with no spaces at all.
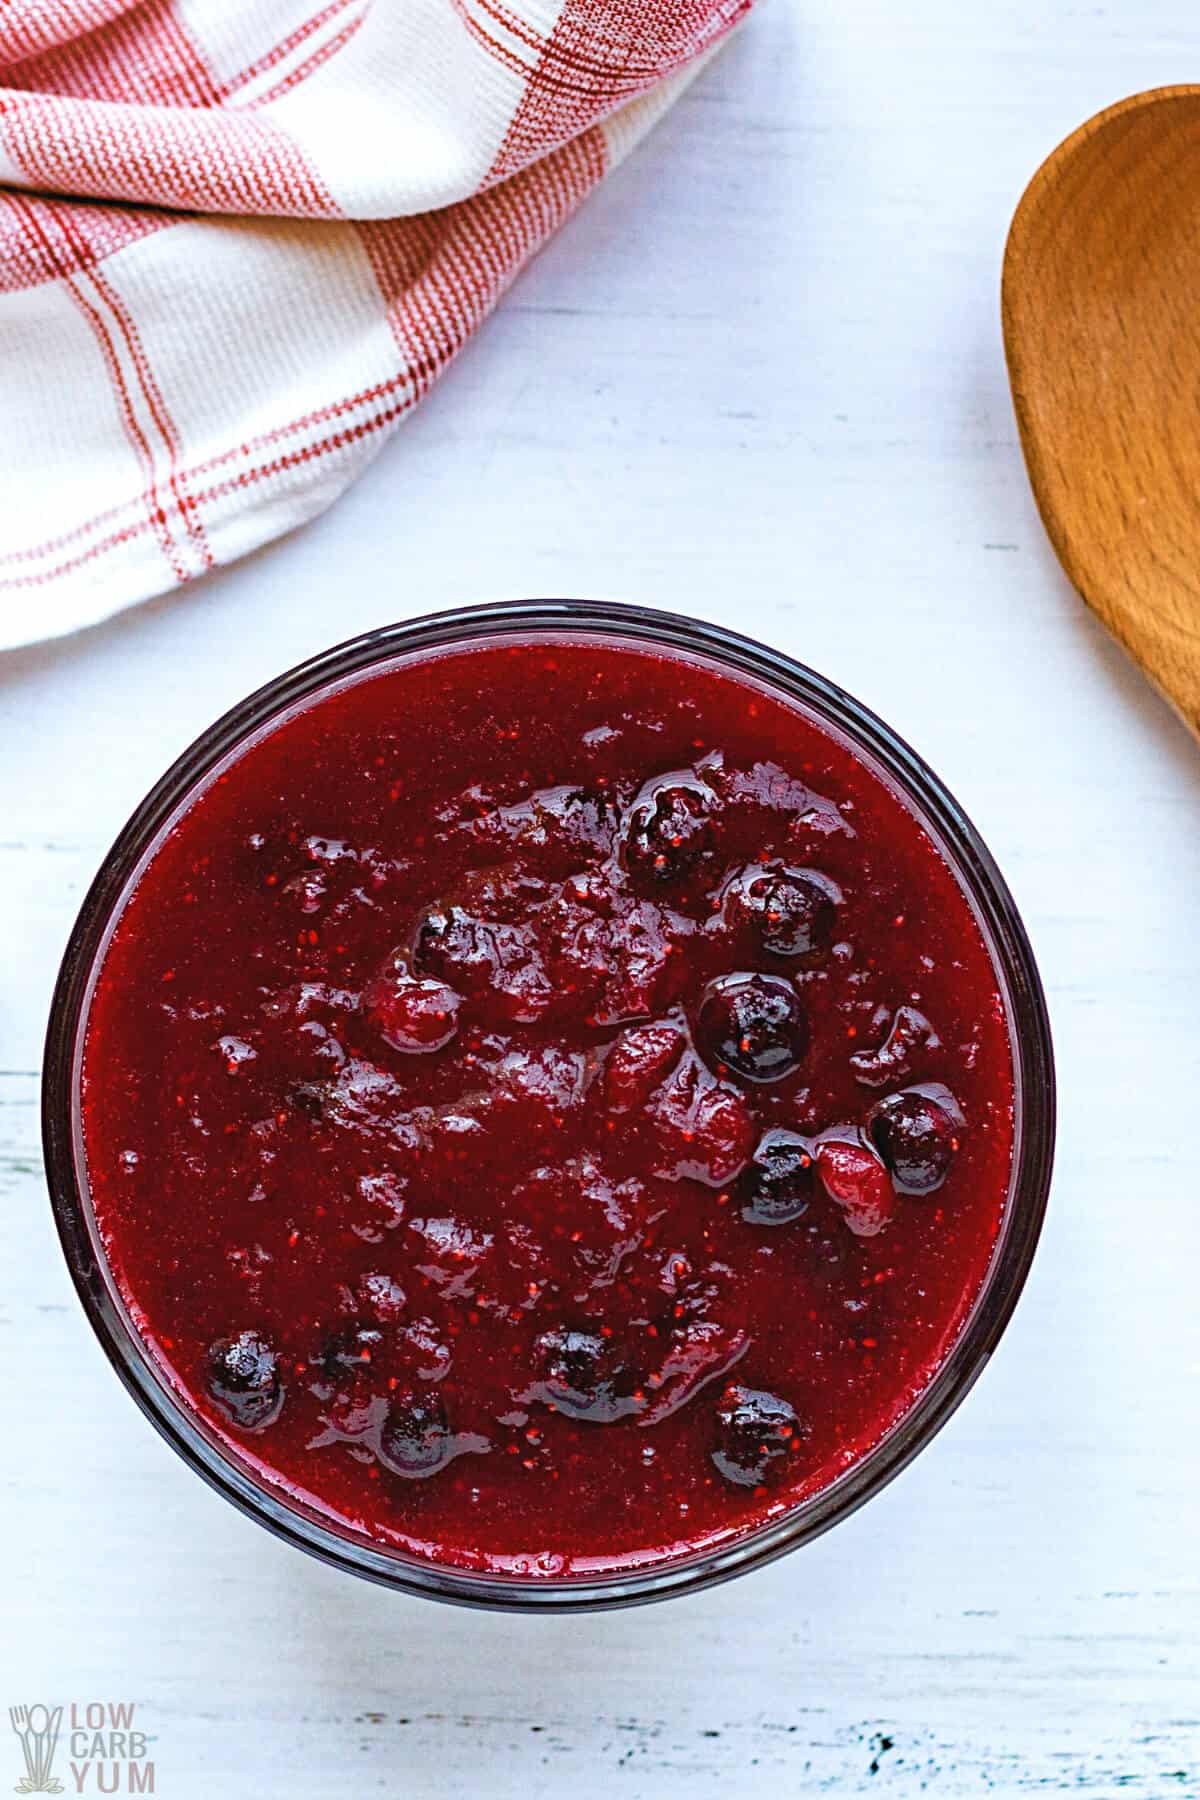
{"x":549,"y":1105}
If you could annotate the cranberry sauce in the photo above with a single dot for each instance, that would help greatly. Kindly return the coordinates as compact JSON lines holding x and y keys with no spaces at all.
{"x":548,"y":1105}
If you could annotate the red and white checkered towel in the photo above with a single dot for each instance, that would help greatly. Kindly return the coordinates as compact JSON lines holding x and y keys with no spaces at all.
{"x":240,"y":238}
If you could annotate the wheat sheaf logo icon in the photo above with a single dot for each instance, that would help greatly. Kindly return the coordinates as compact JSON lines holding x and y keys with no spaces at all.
{"x":37,"y":1731}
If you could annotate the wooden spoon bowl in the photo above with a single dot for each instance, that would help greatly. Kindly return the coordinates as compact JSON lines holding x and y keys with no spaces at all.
{"x":1101,"y":305}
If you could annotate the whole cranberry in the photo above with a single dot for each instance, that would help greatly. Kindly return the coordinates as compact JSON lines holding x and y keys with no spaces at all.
{"x":639,"y":1061}
{"x":854,"y":1177}
{"x":411,"y":1013}
{"x":910,"y":1034}
{"x":917,"y":1133}
{"x":777,"y":1186}
{"x":703,"y":1126}
{"x":581,"y":1374}
{"x":666,"y":832}
{"x":754,"y":1024}
{"x":415,"y":1438}
{"x":755,"y":1433}
{"x":243,"y":1378}
{"x":791,"y":912}
{"x":350,"y":1413}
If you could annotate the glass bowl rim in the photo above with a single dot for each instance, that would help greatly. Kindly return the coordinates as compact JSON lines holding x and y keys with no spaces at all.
{"x":969,"y":859}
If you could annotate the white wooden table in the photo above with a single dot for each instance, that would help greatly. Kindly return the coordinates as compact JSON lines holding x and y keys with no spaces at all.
{"x":760,"y":379}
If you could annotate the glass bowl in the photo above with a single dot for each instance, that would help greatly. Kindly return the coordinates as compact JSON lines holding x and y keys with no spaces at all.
{"x":1017,"y":977}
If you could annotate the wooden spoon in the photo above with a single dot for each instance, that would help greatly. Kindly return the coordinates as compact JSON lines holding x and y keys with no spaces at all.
{"x":1101,"y":303}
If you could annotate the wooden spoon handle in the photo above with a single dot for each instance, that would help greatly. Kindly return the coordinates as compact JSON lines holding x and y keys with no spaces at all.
{"x":1101,"y":308}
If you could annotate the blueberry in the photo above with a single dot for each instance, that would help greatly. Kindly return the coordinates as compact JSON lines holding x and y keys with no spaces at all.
{"x":777,"y":1186}
{"x":307,"y":891}
{"x":666,"y":832}
{"x":349,"y":1350}
{"x":448,"y":941}
{"x":475,"y":955}
{"x":463,"y":949}
{"x":792,"y":912}
{"x":243,"y":1378}
{"x":415,"y":1438}
{"x":309,"y":1098}
{"x":754,"y":1024}
{"x":917,"y":1133}
{"x":755,"y":1432}
{"x":581,"y":1375}
{"x":573,"y":821}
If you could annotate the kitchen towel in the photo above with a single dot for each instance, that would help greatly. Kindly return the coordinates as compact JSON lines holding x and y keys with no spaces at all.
{"x":239,"y":239}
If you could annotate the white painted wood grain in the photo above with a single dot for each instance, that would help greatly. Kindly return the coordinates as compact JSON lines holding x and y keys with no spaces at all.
{"x":759,"y":378}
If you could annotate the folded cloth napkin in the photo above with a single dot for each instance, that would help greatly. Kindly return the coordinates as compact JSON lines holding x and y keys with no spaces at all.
{"x":240,"y":238}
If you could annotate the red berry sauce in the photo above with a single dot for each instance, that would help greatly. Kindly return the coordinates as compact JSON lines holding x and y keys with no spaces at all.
{"x":549,"y":1106}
